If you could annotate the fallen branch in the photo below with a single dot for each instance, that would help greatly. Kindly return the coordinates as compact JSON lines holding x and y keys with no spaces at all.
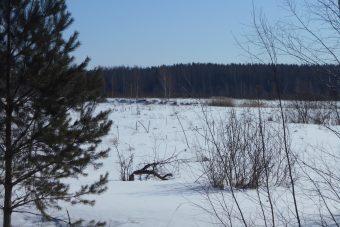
{"x":150,"y":169}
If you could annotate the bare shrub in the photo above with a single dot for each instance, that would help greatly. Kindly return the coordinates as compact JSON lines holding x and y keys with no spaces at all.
{"x":324,"y":113}
{"x":313,"y":112}
{"x":237,"y":156}
{"x":125,"y":162}
{"x":214,"y":170}
{"x":126,"y":165}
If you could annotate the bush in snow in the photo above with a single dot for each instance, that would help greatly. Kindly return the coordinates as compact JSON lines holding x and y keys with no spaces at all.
{"x":243,"y":153}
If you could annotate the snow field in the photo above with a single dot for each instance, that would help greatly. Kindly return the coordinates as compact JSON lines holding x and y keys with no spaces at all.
{"x":154,"y":132}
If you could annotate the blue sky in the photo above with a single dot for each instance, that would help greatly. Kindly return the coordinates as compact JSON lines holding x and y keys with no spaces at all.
{"x":156,"y":32}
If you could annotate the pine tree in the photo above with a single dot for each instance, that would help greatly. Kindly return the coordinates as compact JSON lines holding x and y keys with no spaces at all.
{"x":48,"y":128}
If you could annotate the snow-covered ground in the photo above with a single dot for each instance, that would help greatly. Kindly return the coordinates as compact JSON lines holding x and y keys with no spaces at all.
{"x":156,"y":131}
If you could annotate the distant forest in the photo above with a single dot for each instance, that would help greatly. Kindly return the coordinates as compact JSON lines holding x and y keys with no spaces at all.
{"x":248,"y":81}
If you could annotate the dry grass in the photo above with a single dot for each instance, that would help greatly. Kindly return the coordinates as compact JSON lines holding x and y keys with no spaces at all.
{"x":252,"y":103}
{"x":221,"y":101}
{"x":229,"y":102}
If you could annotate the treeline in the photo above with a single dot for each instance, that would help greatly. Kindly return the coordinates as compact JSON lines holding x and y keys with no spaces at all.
{"x":249,"y":81}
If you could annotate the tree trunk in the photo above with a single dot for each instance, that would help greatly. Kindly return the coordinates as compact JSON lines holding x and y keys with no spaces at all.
{"x":8,"y":170}
{"x":7,"y":213}
{"x":7,"y":206}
